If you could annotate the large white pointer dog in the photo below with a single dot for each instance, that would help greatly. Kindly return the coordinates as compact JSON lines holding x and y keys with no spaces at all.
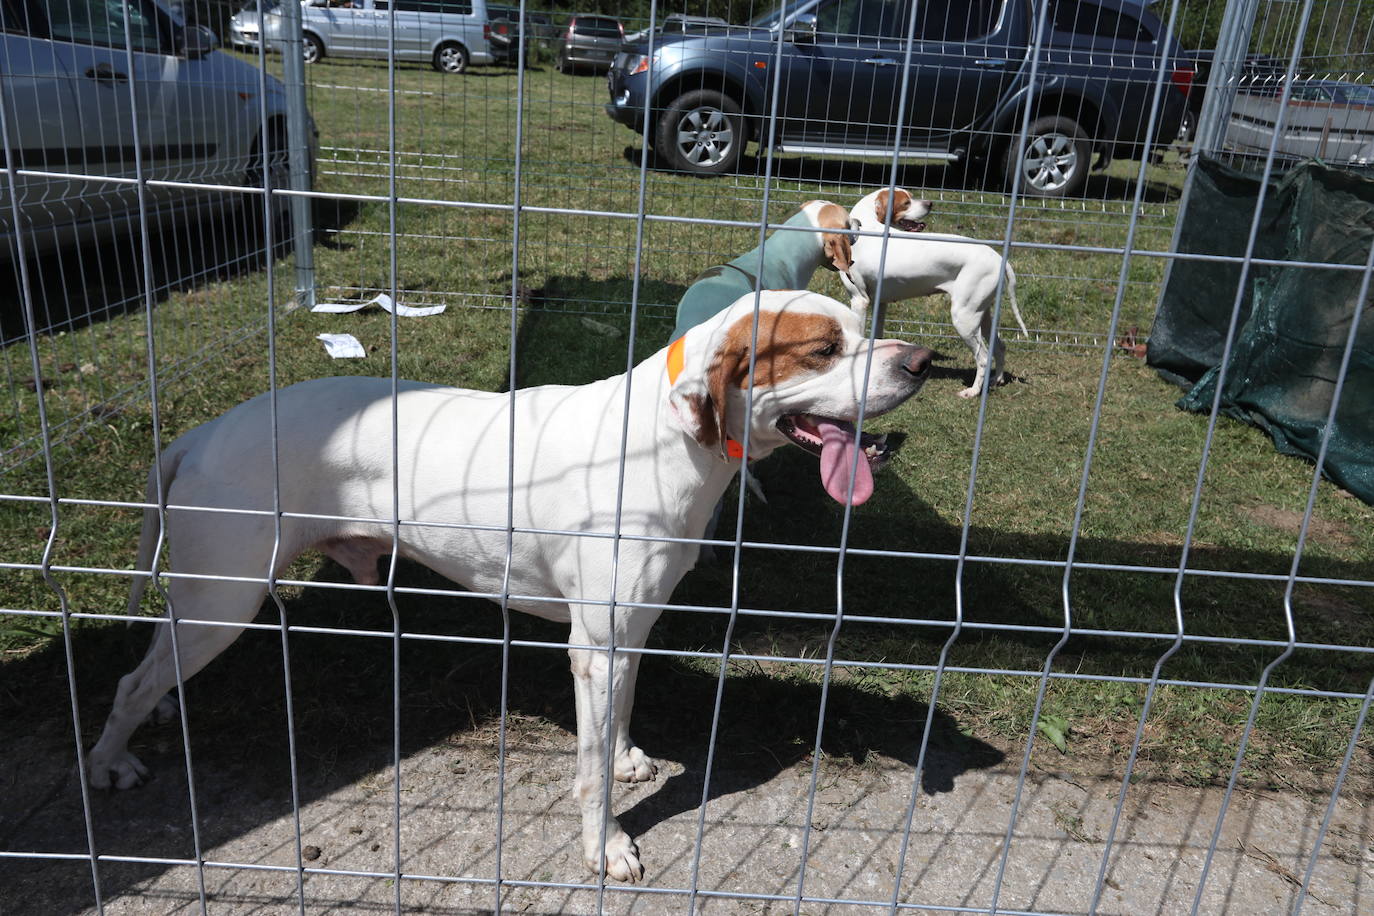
{"x":687,"y":402}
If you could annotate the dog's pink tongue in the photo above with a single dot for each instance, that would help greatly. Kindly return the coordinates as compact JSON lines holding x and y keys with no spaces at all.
{"x":839,"y":457}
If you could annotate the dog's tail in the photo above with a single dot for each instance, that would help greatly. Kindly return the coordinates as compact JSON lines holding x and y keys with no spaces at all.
{"x":1011,"y":297}
{"x":147,"y":538}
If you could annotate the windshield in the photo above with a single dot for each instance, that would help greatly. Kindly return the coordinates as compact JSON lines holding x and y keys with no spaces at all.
{"x":778,"y":8}
{"x":1360,"y":95}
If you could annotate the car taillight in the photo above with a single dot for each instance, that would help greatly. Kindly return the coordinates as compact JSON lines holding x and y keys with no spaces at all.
{"x":1182,"y":78}
{"x":486,"y":31}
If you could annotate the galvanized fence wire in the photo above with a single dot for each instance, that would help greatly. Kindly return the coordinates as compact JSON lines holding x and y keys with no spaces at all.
{"x":963,"y":560}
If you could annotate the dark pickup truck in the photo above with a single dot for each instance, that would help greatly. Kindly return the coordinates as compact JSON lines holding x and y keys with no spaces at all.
{"x":839,"y":66}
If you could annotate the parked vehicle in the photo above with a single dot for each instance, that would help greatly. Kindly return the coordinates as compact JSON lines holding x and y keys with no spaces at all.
{"x":245,"y":30}
{"x":590,"y":41}
{"x":1259,"y":74}
{"x":65,"y":71}
{"x":969,"y":83}
{"x":503,"y":28}
{"x":447,"y":33}
{"x":680,"y":24}
{"x":1331,"y":120}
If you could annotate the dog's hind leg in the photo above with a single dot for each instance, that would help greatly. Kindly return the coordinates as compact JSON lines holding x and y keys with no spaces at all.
{"x":225,"y":547}
{"x":971,"y":325}
{"x":140,"y":690}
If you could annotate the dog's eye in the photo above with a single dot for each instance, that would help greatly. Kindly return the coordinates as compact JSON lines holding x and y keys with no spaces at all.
{"x":828,"y":350}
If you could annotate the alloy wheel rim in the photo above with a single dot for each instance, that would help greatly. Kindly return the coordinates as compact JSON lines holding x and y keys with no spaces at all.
{"x":705,"y":136}
{"x":1051,"y":162}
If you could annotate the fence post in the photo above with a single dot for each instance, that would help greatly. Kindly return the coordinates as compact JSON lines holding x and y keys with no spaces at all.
{"x":1222,"y":81}
{"x":298,"y":141}
{"x":1224,"y":75}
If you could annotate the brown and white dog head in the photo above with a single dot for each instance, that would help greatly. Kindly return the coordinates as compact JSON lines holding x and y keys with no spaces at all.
{"x":837,"y":246}
{"x":809,"y":357}
{"x":898,"y":208}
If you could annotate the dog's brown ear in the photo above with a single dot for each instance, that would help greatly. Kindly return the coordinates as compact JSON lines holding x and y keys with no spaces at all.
{"x":838,"y":248}
{"x":698,"y":402}
{"x":880,"y":207}
{"x":697,"y":414}
{"x":839,"y":251}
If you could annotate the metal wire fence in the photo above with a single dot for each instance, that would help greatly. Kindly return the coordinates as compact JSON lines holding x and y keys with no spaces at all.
{"x":1082,"y":652}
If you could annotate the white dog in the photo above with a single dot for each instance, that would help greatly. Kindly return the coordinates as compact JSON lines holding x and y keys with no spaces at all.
{"x":687,"y":405}
{"x":923,"y":263}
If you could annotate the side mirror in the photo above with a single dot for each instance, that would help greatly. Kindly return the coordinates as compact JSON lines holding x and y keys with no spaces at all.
{"x":197,"y":41}
{"x":802,"y":31}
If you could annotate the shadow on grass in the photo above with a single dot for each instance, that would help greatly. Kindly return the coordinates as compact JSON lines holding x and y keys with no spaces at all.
{"x":81,"y":285}
{"x":873,"y":173}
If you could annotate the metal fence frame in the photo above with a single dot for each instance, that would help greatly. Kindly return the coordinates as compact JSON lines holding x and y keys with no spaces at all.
{"x":962,"y":562}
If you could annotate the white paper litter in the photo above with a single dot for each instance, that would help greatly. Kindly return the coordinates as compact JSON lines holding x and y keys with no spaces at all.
{"x":382,"y":299}
{"x":342,"y":346}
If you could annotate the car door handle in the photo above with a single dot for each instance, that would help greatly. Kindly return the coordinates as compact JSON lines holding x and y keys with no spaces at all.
{"x":991,"y":62}
{"x":880,"y":61}
{"x":104,"y":73}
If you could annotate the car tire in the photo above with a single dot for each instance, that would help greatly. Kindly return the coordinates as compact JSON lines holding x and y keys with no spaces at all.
{"x":563,"y":64}
{"x":450,"y":57}
{"x":1187,"y":127}
{"x":1054,"y":160}
{"x":279,"y":164}
{"x":701,"y":132}
{"x":312,"y":49}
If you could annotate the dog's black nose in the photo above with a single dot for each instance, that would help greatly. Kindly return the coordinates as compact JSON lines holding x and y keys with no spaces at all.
{"x":916,"y":360}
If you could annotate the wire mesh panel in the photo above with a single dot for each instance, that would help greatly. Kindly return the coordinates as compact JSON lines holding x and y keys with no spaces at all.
{"x":1044,"y":644}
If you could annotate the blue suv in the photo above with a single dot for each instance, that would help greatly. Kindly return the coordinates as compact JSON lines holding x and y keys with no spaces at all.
{"x":838,"y":66}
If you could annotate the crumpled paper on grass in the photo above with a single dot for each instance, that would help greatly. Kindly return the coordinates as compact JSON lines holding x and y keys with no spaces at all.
{"x":342,"y":346}
{"x":385,"y":301}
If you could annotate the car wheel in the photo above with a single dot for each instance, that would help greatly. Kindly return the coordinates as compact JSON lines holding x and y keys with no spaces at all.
{"x":279,"y":166}
{"x":1053,"y":162}
{"x":311,"y":49}
{"x":563,"y":65}
{"x":450,"y":58}
{"x":1187,"y":126}
{"x":701,"y":132}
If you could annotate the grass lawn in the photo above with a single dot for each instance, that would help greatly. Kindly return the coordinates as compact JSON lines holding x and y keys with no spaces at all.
{"x":578,"y":259}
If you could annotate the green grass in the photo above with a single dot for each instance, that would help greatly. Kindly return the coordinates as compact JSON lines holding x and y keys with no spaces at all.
{"x":575,"y":280}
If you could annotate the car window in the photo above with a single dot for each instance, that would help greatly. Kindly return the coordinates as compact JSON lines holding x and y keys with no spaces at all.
{"x":14,"y":17}
{"x":1311,"y":93}
{"x":866,"y":18}
{"x":956,"y":20}
{"x":599,"y":28}
{"x":1081,"y":18}
{"x":101,"y":22}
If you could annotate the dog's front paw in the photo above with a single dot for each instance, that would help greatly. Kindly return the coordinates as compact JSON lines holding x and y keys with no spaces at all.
{"x":970,"y":392}
{"x":621,"y":860}
{"x":634,"y":765}
{"x":122,"y":770}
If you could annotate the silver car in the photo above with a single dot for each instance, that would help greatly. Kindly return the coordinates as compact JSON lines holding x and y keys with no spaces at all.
{"x":66,"y":70}
{"x":447,"y":33}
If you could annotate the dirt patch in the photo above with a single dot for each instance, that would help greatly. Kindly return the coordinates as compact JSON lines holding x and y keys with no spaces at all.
{"x":1290,"y":522}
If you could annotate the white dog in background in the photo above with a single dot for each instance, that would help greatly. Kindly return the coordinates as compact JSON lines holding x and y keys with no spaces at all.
{"x":919,"y":263}
{"x":334,"y":441}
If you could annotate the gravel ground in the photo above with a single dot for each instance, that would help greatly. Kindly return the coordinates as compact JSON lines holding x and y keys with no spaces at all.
{"x":752,"y":842}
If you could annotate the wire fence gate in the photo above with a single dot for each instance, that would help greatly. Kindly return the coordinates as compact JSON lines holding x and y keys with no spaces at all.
{"x":1081,"y":651}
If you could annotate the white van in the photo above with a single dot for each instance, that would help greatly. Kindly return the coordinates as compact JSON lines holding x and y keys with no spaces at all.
{"x":447,"y":33}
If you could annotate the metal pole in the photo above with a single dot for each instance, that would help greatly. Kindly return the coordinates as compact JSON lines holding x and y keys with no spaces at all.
{"x":1224,"y":77}
{"x":298,"y":144}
